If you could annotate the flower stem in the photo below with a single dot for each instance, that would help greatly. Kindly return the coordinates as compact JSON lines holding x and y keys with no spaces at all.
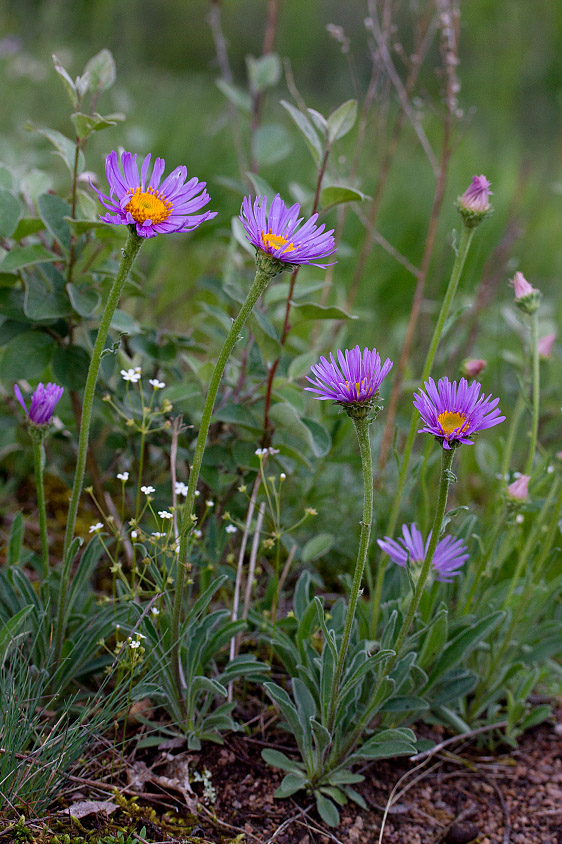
{"x":362,"y":431}
{"x":536,"y":392}
{"x":510,"y":442}
{"x":39,"y":464}
{"x":261,"y":280}
{"x":130,"y":251}
{"x":460,"y":258}
{"x":545,"y":545}
{"x":445,"y":480}
{"x":444,"y":483}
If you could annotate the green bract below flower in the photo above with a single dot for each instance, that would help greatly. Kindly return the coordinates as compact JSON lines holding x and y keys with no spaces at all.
{"x":152,"y":207}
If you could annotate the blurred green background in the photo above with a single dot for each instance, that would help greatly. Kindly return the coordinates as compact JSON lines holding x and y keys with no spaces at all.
{"x":511,"y":94}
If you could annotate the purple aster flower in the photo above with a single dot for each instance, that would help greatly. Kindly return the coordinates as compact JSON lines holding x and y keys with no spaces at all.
{"x":43,"y":402}
{"x":450,"y":553}
{"x":452,"y":412}
{"x":356,"y":380}
{"x":276,"y":232}
{"x":153,"y":207}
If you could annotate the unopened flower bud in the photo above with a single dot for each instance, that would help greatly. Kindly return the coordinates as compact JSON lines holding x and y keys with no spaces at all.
{"x":545,"y":345}
{"x":474,"y":204}
{"x":518,"y":491}
{"x":527,"y":297}
{"x":472,"y":367}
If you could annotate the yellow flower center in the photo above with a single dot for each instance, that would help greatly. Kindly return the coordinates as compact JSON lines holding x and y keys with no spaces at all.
{"x":276,"y":241}
{"x":357,"y":388}
{"x":452,"y":422}
{"x":148,"y":205}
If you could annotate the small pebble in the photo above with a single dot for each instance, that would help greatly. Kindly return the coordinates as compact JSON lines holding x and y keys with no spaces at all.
{"x":462,"y":833}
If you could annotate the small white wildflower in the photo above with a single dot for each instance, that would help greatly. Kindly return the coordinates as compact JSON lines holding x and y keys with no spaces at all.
{"x":517,"y":474}
{"x":197,"y":493}
{"x":197,"y":534}
{"x":164,"y":514}
{"x":155,"y":611}
{"x":132,"y":375}
{"x":123,"y":476}
{"x":134,"y":645}
{"x":158,"y":385}
{"x":259,"y":452}
{"x":95,"y":528}
{"x":210,"y":503}
{"x":550,"y":469}
{"x":271,"y":451}
{"x":181,"y":488}
{"x":282,"y":476}
{"x":138,"y":370}
{"x":134,"y":534}
{"x":231,"y":529}
{"x":157,"y":534}
{"x":519,"y":518}
{"x":147,"y":489}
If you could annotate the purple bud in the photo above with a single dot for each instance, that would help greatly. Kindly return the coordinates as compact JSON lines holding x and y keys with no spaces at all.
{"x":527,"y":297}
{"x":472,"y":367}
{"x":521,"y":286}
{"x":519,"y":489}
{"x":476,"y":197}
{"x":43,"y":402}
{"x":545,"y":345}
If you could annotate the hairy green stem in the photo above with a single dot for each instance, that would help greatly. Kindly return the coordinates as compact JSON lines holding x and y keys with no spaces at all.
{"x":130,"y":252}
{"x":486,"y":554}
{"x":39,"y":463}
{"x":444,"y":483}
{"x":545,"y":545}
{"x":265,"y":271}
{"x":512,"y":433}
{"x":533,"y":540}
{"x":536,"y":391}
{"x":460,"y":258}
{"x":362,"y":431}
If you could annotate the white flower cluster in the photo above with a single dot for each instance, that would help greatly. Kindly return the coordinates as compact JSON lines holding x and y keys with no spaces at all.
{"x":147,"y":489}
{"x":164,"y":514}
{"x":261,"y":452}
{"x":158,"y":385}
{"x":231,"y":529}
{"x":123,"y":476}
{"x":95,"y":528}
{"x":132,"y":375}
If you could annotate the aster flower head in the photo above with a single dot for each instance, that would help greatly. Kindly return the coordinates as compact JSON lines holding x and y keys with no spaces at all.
{"x":279,"y":242}
{"x":518,"y":491}
{"x":527,"y":297}
{"x":153,"y":207}
{"x":545,"y":345}
{"x":450,"y":553}
{"x":354,"y":384}
{"x":454,"y":412}
{"x":474,"y":204}
{"x":43,"y":402}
